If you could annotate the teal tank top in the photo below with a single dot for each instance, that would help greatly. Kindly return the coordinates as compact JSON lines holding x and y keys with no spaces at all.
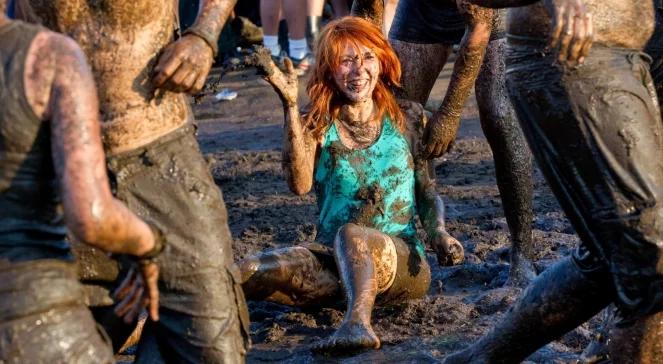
{"x":372,"y":187}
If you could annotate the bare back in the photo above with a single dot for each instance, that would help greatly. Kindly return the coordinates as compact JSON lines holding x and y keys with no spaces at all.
{"x":617,"y":23}
{"x":122,"y":40}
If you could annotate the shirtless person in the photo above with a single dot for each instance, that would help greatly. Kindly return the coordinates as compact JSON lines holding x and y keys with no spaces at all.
{"x":596,"y":133}
{"x":423,"y":35}
{"x":53,"y":179}
{"x":155,"y":161}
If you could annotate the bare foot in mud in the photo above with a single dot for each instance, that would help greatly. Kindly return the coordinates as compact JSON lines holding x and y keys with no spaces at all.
{"x":349,"y":336}
{"x":521,"y":272}
{"x":449,"y":250}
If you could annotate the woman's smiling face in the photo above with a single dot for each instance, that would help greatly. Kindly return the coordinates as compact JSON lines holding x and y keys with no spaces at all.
{"x":357,"y":73}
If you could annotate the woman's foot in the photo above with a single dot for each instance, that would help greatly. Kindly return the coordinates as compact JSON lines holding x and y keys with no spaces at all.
{"x":350,"y":336}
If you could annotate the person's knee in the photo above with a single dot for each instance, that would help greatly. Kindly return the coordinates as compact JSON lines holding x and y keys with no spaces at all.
{"x":349,"y":236}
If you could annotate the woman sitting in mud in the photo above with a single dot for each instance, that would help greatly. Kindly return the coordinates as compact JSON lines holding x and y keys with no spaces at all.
{"x":362,"y":155}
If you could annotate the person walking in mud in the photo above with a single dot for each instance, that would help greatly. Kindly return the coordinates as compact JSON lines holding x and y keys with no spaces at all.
{"x":156,"y":165}
{"x":596,"y":132}
{"x":360,"y":150}
{"x":53,"y":179}
{"x":423,"y":35}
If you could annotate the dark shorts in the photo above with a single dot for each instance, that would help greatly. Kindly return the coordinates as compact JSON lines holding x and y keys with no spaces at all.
{"x":43,"y":317}
{"x":598,"y":138}
{"x":203,"y":316}
{"x":435,"y":22}
{"x":413,"y":275}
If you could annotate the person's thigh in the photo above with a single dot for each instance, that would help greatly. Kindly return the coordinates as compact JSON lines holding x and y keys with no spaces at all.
{"x":420,"y":66}
{"x":413,"y":274}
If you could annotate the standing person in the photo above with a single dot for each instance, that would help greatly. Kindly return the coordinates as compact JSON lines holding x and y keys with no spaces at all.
{"x":156,"y":165}
{"x":357,"y":150}
{"x":53,"y":178}
{"x":423,"y":35}
{"x":314,"y":11}
{"x":596,"y":132}
{"x":294,"y":12}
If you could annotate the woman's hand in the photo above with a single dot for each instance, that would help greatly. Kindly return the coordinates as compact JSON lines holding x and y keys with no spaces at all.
{"x":138,"y":290}
{"x":285,"y":84}
{"x":449,"y":251}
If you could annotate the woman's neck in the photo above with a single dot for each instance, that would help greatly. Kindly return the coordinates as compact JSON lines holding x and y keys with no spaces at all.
{"x":357,"y":113}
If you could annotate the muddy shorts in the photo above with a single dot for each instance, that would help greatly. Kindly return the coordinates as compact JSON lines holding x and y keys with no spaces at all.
{"x":413,"y":275}
{"x":597,"y":136}
{"x":43,"y":317}
{"x":203,"y":315}
{"x":435,"y":22}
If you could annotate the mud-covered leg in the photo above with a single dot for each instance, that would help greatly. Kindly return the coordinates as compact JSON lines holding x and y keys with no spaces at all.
{"x":513,"y":160}
{"x":366,"y":260}
{"x":420,"y":66}
{"x":557,"y":301}
{"x":291,"y":276}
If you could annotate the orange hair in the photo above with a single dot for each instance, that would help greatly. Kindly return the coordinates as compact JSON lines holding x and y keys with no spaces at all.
{"x":325,"y":101}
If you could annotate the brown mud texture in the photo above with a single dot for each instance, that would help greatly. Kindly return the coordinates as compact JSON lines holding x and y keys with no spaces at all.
{"x":242,"y":141}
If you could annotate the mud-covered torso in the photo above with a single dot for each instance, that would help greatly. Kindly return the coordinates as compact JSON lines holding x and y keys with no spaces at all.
{"x":122,"y":40}
{"x":617,"y":23}
{"x":30,"y":208}
{"x":372,"y":187}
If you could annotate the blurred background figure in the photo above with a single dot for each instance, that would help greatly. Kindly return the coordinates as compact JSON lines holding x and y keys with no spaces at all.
{"x":314,"y":15}
{"x":294,"y":12}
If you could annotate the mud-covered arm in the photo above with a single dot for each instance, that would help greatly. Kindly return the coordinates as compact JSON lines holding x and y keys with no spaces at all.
{"x":499,"y":4}
{"x":430,"y":207}
{"x":60,"y":88}
{"x":443,"y":126}
{"x":372,"y":10}
{"x":299,"y":145}
{"x":185,"y":64}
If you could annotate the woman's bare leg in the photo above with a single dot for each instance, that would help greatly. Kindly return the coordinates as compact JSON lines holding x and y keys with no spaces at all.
{"x":366,"y":260}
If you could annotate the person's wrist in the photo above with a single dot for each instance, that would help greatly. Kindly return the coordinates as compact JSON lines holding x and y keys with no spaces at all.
{"x":159,"y":246}
{"x":207,"y":37}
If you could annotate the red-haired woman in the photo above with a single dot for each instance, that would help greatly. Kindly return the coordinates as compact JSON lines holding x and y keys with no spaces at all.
{"x":356,"y":147}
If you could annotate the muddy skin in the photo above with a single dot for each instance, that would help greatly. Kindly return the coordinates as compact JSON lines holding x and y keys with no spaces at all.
{"x":131,"y":57}
{"x":570,"y":297}
{"x":372,"y":10}
{"x":291,"y":276}
{"x":513,"y":160}
{"x":498,"y":121}
{"x":642,"y":342}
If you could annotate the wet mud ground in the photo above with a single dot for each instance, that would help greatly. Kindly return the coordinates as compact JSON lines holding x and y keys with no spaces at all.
{"x":242,"y":141}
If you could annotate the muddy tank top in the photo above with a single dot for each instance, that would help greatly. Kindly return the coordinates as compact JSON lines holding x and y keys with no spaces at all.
{"x":30,"y":208}
{"x":372,"y":187}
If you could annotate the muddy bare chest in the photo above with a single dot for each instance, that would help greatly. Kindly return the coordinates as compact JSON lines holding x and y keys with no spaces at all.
{"x":123,"y":15}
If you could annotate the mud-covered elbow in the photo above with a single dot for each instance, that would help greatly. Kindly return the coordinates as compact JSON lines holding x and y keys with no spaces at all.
{"x":87,"y":224}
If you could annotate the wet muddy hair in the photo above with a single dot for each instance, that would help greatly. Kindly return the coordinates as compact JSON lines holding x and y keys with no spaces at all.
{"x":326,"y":100}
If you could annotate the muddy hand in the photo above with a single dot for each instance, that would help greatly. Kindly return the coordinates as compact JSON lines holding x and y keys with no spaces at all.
{"x":572,"y":30}
{"x":285,"y":84}
{"x":184,"y":65}
{"x":138,"y":290}
{"x":449,"y":251}
{"x":440,"y":134}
